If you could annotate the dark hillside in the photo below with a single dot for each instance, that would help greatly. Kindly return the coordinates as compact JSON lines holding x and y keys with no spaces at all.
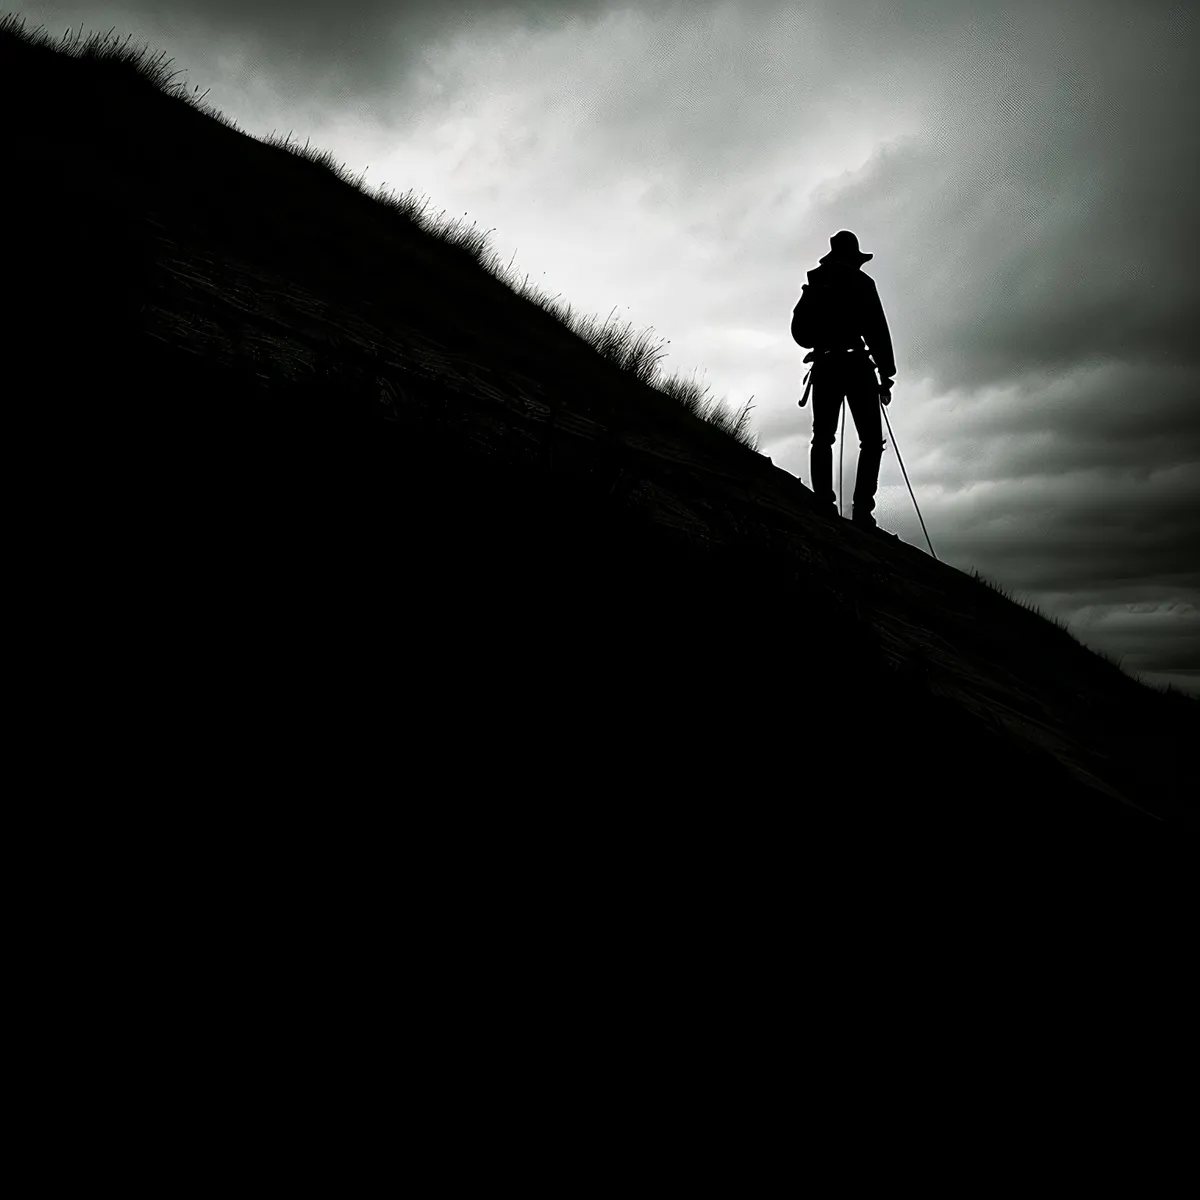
{"x":350,"y":512}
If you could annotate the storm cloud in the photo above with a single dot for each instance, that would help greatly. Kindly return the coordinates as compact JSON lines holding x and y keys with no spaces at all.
{"x":350,"y":51}
{"x":1025,"y":175}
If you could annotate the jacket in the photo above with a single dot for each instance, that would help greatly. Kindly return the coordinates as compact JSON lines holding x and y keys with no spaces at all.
{"x":838,"y":308}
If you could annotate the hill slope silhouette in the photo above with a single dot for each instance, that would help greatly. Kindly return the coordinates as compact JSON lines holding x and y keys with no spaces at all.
{"x":350,"y":511}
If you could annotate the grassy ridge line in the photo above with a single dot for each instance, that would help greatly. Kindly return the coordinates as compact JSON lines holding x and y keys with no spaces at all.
{"x":761,"y":580}
{"x":925,"y":587}
{"x":117,"y":68}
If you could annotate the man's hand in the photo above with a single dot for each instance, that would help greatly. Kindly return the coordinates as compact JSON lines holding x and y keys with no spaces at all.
{"x":885,"y":392}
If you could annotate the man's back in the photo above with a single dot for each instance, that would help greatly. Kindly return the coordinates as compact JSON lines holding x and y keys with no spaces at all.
{"x":848,"y":310}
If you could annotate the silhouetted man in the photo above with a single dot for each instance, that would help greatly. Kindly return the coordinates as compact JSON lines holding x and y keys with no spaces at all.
{"x":837,"y":309}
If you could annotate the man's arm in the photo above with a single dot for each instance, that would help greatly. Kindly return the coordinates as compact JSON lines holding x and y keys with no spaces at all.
{"x":879,"y":340}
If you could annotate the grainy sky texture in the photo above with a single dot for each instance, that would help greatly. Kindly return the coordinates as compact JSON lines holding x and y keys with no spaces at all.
{"x":1023,"y":172}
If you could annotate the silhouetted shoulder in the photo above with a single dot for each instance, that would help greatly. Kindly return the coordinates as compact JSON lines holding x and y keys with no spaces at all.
{"x":840,"y":276}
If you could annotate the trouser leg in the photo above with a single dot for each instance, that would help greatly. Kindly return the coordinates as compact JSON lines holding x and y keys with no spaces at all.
{"x":826,"y":405}
{"x":864,"y":408}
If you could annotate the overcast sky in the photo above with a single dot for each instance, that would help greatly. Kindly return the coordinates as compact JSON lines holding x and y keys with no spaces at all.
{"x":1022,"y":172}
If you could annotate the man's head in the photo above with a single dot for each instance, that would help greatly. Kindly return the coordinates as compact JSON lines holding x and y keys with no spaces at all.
{"x":844,"y":248}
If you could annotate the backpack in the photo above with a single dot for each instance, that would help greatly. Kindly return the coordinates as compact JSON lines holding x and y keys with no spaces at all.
{"x":824,"y":316}
{"x":804,"y":320}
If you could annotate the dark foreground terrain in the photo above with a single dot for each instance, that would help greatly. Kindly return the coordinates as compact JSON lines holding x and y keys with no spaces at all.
{"x":323,"y":510}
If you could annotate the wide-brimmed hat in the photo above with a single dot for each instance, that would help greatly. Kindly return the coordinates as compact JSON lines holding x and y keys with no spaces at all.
{"x":845,"y":249}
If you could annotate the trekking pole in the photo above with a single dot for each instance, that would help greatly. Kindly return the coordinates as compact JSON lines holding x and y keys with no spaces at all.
{"x":841,"y":456}
{"x":920,"y":518}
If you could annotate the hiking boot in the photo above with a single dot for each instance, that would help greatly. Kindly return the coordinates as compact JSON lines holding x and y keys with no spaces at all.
{"x":867,"y":525}
{"x":864,"y":521}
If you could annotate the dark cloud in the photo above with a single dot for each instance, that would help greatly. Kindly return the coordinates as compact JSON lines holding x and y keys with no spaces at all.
{"x":1043,"y":218}
{"x":348,"y":50}
{"x":1091,"y":530}
{"x":1106,"y":416}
